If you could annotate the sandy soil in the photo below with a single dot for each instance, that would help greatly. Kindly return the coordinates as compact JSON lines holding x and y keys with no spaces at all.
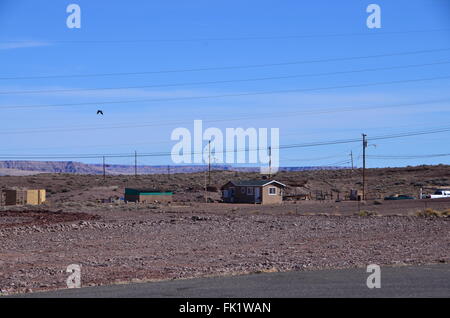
{"x":130,"y":243}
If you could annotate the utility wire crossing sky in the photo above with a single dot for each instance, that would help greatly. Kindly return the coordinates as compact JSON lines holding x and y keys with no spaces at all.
{"x":316,"y":71}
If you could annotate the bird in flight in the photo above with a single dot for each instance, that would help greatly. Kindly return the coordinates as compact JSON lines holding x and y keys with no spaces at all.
{"x":99,"y":112}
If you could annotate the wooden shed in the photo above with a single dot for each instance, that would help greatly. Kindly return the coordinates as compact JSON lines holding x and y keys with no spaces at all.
{"x":24,"y":196}
{"x":147,"y":195}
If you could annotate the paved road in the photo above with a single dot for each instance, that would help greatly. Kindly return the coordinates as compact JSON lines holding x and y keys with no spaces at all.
{"x":411,"y":281}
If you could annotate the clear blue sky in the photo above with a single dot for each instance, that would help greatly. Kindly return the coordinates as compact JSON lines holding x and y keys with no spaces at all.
{"x":178,"y":35}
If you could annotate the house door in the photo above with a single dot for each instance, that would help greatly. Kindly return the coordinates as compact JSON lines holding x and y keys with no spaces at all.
{"x":257,"y":195}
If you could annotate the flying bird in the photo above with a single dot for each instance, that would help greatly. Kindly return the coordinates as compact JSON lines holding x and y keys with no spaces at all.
{"x":99,"y":112}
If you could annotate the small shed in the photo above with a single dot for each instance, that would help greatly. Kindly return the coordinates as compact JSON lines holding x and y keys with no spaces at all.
{"x":147,"y":195}
{"x":356,"y":195}
{"x":253,"y":191}
{"x":24,"y":196}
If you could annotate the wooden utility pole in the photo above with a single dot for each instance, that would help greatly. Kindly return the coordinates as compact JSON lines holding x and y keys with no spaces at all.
{"x":270,"y":162}
{"x":209,"y":162}
{"x":206,"y":192}
{"x":364,"y":167}
{"x":168,"y":172}
{"x":135,"y":164}
{"x":104,"y":169}
{"x":351,"y":158}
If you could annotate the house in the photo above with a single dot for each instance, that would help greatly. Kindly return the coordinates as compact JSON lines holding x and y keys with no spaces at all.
{"x":24,"y":196}
{"x":253,"y":191}
{"x":147,"y":195}
{"x":356,"y":195}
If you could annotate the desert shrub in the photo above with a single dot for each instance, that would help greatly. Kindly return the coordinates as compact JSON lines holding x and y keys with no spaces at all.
{"x":366,"y":213}
{"x":434,"y":213}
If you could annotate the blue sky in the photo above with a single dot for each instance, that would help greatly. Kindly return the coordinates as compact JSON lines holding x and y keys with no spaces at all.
{"x":152,"y":36}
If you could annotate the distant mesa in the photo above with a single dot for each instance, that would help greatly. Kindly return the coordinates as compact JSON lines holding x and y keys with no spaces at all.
{"x":20,"y":168}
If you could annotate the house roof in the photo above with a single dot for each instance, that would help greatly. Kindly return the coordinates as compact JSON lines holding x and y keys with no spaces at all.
{"x":255,"y":183}
{"x":147,"y":192}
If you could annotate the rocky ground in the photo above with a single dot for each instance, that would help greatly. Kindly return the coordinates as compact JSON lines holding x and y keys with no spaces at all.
{"x":189,"y":238}
{"x":189,"y":187}
{"x":131,"y":243}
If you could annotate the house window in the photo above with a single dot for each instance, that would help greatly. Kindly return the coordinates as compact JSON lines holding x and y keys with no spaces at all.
{"x":272,"y":191}
{"x":242,"y":190}
{"x":249,"y":191}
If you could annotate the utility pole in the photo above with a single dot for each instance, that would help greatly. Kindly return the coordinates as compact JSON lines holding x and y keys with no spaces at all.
{"x":206,"y":191}
{"x":270,"y":162}
{"x":364,"y":167}
{"x":135,"y":164}
{"x":209,"y":162}
{"x":351,"y":158}
{"x":168,"y":172}
{"x":104,"y":169}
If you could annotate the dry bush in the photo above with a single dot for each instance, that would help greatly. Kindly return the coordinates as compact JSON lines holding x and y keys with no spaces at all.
{"x":366,"y":213}
{"x":434,"y":213}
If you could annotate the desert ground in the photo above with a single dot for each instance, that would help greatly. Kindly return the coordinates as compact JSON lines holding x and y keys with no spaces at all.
{"x":196,"y":237}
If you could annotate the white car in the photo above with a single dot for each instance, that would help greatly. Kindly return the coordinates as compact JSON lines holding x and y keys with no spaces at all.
{"x":439,"y":194}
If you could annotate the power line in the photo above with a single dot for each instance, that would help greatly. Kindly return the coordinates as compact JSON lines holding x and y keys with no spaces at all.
{"x":227,"y":67}
{"x":338,"y":163}
{"x":241,"y":38}
{"x":410,"y":134}
{"x":244,"y":116}
{"x":302,"y":145}
{"x":345,"y":141}
{"x":407,"y":156}
{"x":221,"y":81}
{"x":228,"y":95}
{"x":229,"y":119}
{"x":314,"y":158}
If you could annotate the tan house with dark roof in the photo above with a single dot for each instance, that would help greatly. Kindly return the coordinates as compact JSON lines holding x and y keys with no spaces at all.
{"x":253,"y":191}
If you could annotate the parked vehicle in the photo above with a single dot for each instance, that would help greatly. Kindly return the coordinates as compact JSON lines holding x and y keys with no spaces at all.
{"x":439,"y":194}
{"x":399,"y":197}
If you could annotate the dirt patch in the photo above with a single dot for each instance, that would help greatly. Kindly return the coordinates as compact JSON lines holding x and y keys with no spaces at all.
{"x":40,"y":217}
{"x":145,"y":244}
{"x":117,"y":242}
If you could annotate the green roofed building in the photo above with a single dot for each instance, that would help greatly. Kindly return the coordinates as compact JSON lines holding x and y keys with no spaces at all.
{"x":147,"y":196}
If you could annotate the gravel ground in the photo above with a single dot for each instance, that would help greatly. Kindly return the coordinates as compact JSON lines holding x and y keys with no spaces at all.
{"x":118,"y":244}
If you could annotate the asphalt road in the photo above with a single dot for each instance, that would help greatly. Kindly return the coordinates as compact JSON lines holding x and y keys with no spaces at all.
{"x":401,"y":281}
